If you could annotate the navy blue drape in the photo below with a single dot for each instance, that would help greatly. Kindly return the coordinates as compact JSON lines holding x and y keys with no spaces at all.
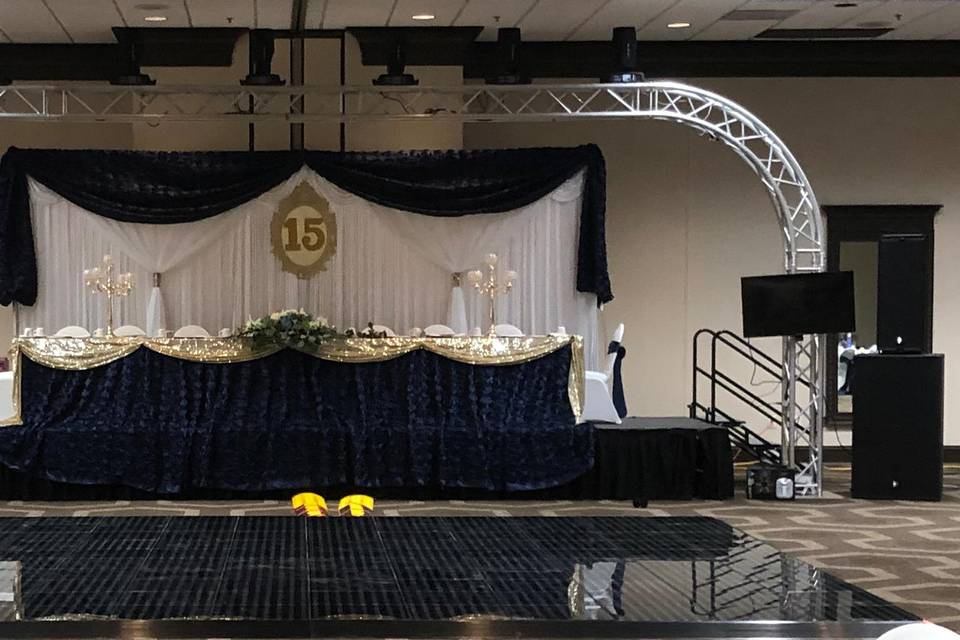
{"x":290,"y":420}
{"x":166,"y":188}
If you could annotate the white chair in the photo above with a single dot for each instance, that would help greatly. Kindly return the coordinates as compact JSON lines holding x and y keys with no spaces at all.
{"x":439,"y":331}
{"x":6,"y":394}
{"x":191,"y":331}
{"x":72,"y":331}
{"x":598,"y":399}
{"x":508,"y":331}
{"x":379,"y":328}
{"x":129,"y":331}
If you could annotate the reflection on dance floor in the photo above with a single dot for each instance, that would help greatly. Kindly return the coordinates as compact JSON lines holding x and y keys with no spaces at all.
{"x":629,"y":569}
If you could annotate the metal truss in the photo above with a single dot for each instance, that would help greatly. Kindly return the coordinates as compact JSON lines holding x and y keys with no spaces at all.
{"x":712,"y":115}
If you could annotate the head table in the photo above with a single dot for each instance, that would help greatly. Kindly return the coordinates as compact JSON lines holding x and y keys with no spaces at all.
{"x":172,"y":414}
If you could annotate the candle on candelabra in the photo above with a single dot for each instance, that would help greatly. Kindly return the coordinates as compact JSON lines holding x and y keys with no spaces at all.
{"x":101,"y":280}
{"x":491,"y":286}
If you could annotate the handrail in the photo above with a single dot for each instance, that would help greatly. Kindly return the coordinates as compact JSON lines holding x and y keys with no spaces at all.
{"x":745,"y":438}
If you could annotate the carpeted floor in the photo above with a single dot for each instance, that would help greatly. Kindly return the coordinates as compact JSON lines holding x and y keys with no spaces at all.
{"x":907,"y":553}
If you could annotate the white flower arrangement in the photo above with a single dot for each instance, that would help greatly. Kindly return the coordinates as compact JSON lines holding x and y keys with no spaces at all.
{"x":288,"y":328}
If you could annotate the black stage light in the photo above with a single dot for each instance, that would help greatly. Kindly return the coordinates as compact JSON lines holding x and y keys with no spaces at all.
{"x":508,"y":58}
{"x":133,"y":77}
{"x":261,"y":55}
{"x":624,"y":57}
{"x":395,"y":77}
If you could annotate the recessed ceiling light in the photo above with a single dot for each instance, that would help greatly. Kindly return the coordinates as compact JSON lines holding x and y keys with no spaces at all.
{"x":845,"y":5}
{"x":424,"y":16}
{"x":155,"y":18}
{"x":678,"y":25}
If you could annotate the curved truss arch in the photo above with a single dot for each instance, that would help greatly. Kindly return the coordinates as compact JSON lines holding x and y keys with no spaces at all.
{"x":793,"y":199}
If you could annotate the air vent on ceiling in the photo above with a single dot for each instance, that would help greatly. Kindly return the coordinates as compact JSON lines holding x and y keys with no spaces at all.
{"x":744,"y":15}
{"x":821,"y":34}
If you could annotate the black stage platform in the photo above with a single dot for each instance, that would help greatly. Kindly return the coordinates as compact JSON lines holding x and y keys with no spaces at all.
{"x":642,"y":459}
{"x":420,"y":577}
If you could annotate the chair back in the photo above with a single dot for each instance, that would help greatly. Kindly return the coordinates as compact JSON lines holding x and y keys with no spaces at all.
{"x":508,"y":331}
{"x":191,"y":331}
{"x":379,"y":328}
{"x":72,"y":331}
{"x":438,"y":331}
{"x":129,"y":330}
{"x":613,"y":351}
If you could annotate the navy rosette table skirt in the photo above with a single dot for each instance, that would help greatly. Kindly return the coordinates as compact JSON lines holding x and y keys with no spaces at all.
{"x":290,"y":420}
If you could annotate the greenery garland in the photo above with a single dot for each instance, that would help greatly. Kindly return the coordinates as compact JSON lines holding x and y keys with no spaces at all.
{"x":298,"y":329}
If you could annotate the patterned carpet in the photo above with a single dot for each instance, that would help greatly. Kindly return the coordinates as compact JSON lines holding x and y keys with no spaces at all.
{"x":907,"y":553}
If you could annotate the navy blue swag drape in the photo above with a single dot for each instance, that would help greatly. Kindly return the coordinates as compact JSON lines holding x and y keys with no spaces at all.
{"x":175,"y":187}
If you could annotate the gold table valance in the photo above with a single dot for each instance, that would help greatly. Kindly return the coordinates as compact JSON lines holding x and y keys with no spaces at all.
{"x":86,"y":353}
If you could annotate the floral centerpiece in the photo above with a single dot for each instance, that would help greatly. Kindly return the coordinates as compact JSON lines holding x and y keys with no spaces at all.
{"x":289,"y":328}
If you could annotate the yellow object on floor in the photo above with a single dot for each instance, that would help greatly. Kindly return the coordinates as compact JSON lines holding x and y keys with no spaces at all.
{"x":356,"y":505}
{"x":309,"y":504}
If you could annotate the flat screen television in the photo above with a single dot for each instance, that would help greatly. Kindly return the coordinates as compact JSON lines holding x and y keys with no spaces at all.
{"x":798,"y":304}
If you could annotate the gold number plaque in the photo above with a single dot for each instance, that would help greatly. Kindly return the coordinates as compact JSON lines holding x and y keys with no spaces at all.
{"x":303,"y":232}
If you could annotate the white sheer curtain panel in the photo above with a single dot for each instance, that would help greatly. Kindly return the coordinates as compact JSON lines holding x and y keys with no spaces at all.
{"x":391,"y":267}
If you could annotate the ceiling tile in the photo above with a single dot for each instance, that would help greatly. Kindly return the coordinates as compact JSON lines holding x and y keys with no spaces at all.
{"x":274,"y":14}
{"x":30,"y":21}
{"x":175,"y":12}
{"x":557,"y":19}
{"x":351,"y":13}
{"x":924,"y":19}
{"x":492,"y":14}
{"x":90,"y":21}
{"x":824,"y":15}
{"x":620,"y":13}
{"x":214,"y":13}
{"x":734,"y":29}
{"x":701,"y":14}
{"x":444,"y":10}
{"x":783,"y":5}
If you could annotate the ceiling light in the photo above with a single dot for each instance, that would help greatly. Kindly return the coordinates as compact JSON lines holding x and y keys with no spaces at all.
{"x":678,"y":25}
{"x":845,"y":5}
{"x":155,"y":18}
{"x":423,"y":16}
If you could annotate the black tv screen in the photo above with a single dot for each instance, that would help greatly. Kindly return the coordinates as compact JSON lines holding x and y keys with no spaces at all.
{"x":798,"y":304}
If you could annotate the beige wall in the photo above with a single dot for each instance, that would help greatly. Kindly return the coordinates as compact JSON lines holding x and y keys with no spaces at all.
{"x":686,"y":218}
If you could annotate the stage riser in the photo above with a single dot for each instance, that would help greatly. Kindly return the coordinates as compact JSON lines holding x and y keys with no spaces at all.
{"x":629,"y":464}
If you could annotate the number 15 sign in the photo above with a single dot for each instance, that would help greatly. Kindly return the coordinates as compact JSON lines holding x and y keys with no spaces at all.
{"x":303,"y":232}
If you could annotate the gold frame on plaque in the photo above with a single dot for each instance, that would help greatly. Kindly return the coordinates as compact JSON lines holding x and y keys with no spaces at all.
{"x":304,"y":196}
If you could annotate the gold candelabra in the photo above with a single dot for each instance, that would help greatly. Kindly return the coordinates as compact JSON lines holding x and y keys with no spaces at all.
{"x":491,"y":286}
{"x":101,"y":280}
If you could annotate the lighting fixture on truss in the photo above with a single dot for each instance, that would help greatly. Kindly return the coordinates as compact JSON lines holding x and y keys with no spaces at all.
{"x":624,"y":57}
{"x":395,"y":76}
{"x":508,"y":58}
{"x":261,"y":56}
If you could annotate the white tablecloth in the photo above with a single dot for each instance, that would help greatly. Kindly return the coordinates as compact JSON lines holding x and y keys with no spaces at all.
{"x":6,"y":394}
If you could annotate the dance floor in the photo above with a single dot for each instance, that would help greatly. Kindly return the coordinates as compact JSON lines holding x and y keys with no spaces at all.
{"x":419,"y":577}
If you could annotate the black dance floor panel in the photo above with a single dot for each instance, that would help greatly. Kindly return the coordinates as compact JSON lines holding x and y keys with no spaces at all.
{"x":664,"y":570}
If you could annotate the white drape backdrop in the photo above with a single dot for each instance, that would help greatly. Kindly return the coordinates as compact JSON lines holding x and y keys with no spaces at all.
{"x":391,"y":267}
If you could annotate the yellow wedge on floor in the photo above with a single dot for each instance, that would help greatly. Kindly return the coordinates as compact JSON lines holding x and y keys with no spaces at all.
{"x":309,"y":504}
{"x":356,"y":505}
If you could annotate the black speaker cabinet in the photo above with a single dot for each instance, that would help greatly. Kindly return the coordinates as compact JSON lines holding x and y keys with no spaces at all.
{"x":902,"y":295}
{"x":898,"y":427}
